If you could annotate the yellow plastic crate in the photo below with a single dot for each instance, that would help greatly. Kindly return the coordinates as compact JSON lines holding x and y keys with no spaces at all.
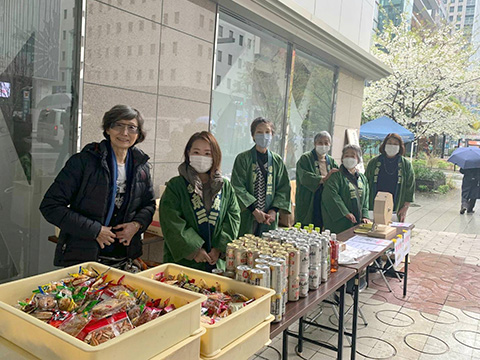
{"x":188,"y":349}
{"x":144,"y":342}
{"x":234,"y":326}
{"x":247,"y":345}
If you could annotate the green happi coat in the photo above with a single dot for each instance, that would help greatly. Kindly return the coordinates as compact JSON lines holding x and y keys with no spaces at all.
{"x":309,"y":181}
{"x":180,"y":228}
{"x":339,"y":199}
{"x":405,"y":185}
{"x":243,"y":180}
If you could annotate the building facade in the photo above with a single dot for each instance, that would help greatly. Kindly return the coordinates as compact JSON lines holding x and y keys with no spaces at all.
{"x":187,"y":65}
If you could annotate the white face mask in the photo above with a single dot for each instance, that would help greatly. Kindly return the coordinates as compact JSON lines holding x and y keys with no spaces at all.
{"x":322,"y":149}
{"x":349,"y":163}
{"x":200,"y":163}
{"x":392,"y":150}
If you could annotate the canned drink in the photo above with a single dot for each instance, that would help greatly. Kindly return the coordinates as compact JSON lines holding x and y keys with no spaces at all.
{"x":218,"y":272}
{"x":265,"y":268}
{"x":250,"y":257}
{"x":276,"y":276}
{"x":265,"y":257}
{"x":304,"y":259}
{"x":293,"y":288}
{"x":294,"y":263}
{"x":325,"y":270}
{"x":315,"y":253}
{"x":260,"y":262}
{"x":314,"y":277}
{"x":230,"y":274}
{"x":243,"y":273}
{"x":303,"y":285}
{"x":276,"y":307}
{"x":240,"y":256}
{"x":230,"y":258}
{"x":258,"y":277}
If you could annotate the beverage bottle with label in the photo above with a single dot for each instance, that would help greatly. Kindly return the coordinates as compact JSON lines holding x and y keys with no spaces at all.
{"x":335,"y":253}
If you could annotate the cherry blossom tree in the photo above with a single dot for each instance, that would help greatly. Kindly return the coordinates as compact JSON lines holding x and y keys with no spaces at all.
{"x":431,"y":69}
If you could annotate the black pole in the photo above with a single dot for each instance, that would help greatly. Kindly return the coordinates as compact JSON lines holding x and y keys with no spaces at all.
{"x":443,"y":145}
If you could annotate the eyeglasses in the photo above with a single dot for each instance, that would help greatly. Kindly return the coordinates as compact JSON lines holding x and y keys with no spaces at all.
{"x":131,"y":129}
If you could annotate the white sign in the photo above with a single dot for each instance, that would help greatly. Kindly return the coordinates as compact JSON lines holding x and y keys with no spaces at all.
{"x":406,"y":241}
{"x":399,"y":251}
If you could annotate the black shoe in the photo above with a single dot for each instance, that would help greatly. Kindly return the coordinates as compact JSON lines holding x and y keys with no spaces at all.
{"x":470,"y":211}
{"x":462,"y":210}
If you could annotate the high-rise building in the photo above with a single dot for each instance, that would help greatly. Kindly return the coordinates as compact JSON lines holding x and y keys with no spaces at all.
{"x":418,"y":12}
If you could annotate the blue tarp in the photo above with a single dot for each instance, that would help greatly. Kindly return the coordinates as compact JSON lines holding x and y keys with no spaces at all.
{"x":379,"y":128}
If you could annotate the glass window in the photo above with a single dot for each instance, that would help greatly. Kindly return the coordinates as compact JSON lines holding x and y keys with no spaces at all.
{"x":230,"y":59}
{"x":257,"y":89}
{"x":240,"y":40}
{"x":460,"y":8}
{"x":459,"y":17}
{"x":450,"y":18}
{"x":219,"y":56}
{"x":220,"y":31}
{"x":37,"y":124}
{"x":452,"y":8}
{"x":310,"y":106}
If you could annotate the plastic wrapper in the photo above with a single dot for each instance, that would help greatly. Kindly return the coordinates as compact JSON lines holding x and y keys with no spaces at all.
{"x":89,"y":306}
{"x":98,"y":331}
{"x":74,"y":324}
{"x":45,"y":301}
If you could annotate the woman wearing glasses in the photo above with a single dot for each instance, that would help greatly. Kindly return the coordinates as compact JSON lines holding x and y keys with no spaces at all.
{"x":103,"y":199}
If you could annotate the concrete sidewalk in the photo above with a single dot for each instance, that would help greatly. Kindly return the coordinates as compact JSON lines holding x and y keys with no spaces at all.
{"x":442,"y":212}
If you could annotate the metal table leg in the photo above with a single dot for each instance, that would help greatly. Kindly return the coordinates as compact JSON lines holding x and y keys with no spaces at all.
{"x":285,"y":345}
{"x":355,"y":317}
{"x":341,"y":328}
{"x":405,"y":276}
{"x":301,"y":327}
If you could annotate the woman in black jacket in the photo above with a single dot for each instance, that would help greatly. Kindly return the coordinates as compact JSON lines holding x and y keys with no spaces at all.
{"x":103,"y":199}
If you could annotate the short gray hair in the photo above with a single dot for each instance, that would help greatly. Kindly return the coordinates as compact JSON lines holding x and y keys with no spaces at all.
{"x":355,"y":148}
{"x":322,"y":134}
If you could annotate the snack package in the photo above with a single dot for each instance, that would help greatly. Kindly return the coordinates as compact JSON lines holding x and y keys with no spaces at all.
{"x":98,"y":331}
{"x":74,"y":324}
{"x":45,"y":301}
{"x":148,"y":314}
{"x":109,"y":307}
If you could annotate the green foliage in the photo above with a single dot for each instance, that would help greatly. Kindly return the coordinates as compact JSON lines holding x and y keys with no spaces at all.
{"x":443,"y":189}
{"x":443,"y":164}
{"x":423,"y":188}
{"x":419,"y":163}
{"x":451,"y":183}
{"x":425,"y":173}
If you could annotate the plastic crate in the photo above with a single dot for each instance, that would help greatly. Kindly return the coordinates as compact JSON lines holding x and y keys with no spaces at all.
{"x":146,"y":341}
{"x":232,"y":327}
{"x":247,"y":345}
{"x":188,"y":349}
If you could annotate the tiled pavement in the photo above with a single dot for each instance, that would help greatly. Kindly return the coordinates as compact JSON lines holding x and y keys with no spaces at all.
{"x":440,"y":316}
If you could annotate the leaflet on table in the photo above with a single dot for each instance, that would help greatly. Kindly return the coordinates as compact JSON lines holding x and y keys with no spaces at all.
{"x":368,"y":243}
{"x":400,"y":224}
{"x":351,"y":255}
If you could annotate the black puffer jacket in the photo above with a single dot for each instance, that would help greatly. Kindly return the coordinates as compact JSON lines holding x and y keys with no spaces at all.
{"x":77,"y":203}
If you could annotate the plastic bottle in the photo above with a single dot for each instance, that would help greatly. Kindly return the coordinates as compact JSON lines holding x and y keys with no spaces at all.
{"x":335,"y":252}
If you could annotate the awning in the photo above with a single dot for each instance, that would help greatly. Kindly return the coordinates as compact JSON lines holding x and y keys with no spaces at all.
{"x":379,"y":128}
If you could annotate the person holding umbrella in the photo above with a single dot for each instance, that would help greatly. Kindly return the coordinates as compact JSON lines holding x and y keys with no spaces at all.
{"x":469,"y":161}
